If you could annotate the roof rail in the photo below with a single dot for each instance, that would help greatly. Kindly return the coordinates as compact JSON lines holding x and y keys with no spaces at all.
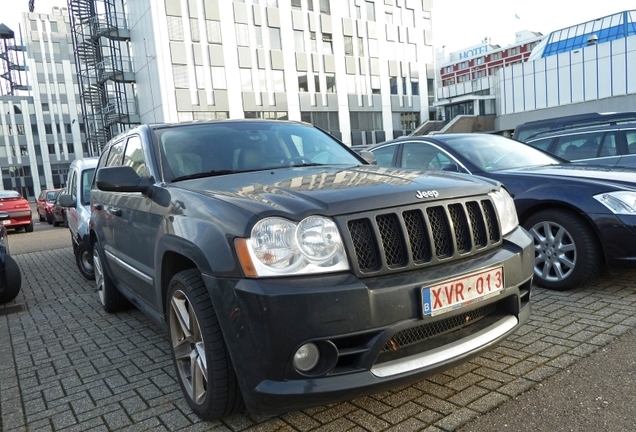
{"x":601,"y":119}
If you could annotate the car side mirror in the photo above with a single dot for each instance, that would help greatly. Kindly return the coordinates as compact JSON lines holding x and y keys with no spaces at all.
{"x":369,"y":157}
{"x":121,"y":179}
{"x":66,"y":200}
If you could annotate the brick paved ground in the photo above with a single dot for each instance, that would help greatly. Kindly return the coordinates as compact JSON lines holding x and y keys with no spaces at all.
{"x":65,"y":365}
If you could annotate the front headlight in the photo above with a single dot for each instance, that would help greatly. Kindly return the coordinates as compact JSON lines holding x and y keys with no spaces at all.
{"x":279,"y":247}
{"x":506,"y":210}
{"x":619,"y":202}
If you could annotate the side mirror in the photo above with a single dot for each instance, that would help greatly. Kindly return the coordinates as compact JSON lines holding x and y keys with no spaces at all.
{"x":66,"y":200}
{"x":121,"y":179}
{"x":369,"y":157}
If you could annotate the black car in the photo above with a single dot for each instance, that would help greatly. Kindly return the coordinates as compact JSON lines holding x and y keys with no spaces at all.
{"x":289,"y":273}
{"x":581,"y":216}
{"x":610,"y":144}
{"x":10,"y":276}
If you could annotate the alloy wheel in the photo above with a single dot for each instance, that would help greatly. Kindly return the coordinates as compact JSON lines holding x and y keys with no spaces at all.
{"x":554,"y":251}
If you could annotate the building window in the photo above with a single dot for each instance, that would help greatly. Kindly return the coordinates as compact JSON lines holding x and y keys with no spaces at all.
{"x":361,"y":47}
{"x":48,"y":129}
{"x":348,"y":45}
{"x":67,"y":127}
{"x":409,"y":120}
{"x":303,"y":86}
{"x":463,"y":65}
{"x":266,"y":115}
{"x":45,"y":108}
{"x":365,"y":121}
{"x":313,"y":41}
{"x":513,"y":51}
{"x":415,"y":86}
{"x":274,"y":38}
{"x":325,"y":120}
{"x":218,"y":77}
{"x":327,"y":43}
{"x":370,"y":11}
{"x":495,"y":56}
{"x":175,"y":28}
{"x":324,"y":7}
{"x":195,"y":34}
{"x":272,"y":3}
{"x":20,"y":129}
{"x":310,"y":5}
{"x":375,"y":84}
{"x":295,"y":4}
{"x":180,"y":76}
{"x":480,"y":73}
{"x":53,"y":27}
{"x":393,"y":83}
{"x":279,"y":80}
{"x":299,"y":40}
{"x":34,"y":25}
{"x":463,"y":78}
{"x":331,"y":83}
{"x":317,"y":83}
{"x":214,"y":31}
{"x":242,"y":35}
{"x":246,"y":79}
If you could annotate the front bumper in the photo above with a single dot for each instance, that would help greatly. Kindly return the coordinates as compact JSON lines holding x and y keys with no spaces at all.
{"x":356,"y":323}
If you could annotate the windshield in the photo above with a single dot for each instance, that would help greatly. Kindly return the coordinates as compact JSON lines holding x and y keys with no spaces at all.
{"x":197,"y":150}
{"x":50,"y":196}
{"x":494,"y":152}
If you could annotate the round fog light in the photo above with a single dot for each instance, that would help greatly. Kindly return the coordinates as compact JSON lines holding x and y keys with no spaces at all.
{"x":306,"y":358}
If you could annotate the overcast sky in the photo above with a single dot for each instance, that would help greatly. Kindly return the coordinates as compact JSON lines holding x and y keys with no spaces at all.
{"x":457,"y":24}
{"x":460,"y":24}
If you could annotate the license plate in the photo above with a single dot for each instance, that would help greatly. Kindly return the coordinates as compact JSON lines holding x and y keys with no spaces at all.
{"x":461,"y":292}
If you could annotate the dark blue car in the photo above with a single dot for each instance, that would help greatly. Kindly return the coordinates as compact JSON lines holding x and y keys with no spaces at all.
{"x":10,"y":277}
{"x":580,"y":216}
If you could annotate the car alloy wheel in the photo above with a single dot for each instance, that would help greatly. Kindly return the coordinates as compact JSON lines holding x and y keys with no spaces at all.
{"x":566,"y":251}
{"x":199,"y":354}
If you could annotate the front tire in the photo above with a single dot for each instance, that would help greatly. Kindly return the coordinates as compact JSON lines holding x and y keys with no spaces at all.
{"x":109,"y":296}
{"x":565,"y":249}
{"x":49,"y":218}
{"x":13,"y":280}
{"x":84,"y":261}
{"x":201,"y":360}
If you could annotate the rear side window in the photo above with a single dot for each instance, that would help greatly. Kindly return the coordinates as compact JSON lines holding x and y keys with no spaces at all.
{"x":579,"y":146}
{"x":541,"y":144}
{"x":384,"y":155}
{"x":631,"y":142}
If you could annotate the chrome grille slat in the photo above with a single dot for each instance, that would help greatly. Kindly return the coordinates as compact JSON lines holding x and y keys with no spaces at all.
{"x":392,"y":240}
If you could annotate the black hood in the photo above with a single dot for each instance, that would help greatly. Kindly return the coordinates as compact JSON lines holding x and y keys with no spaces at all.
{"x":624,"y":177}
{"x":335,"y":190}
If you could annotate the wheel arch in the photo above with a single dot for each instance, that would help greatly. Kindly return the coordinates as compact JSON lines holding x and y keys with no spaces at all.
{"x":566,"y":207}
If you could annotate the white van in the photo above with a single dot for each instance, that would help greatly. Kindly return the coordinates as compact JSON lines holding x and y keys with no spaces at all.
{"x":78,"y":213}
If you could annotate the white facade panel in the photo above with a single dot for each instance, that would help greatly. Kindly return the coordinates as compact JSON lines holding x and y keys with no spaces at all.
{"x":619,"y":65}
{"x":529,"y":90}
{"x":564,"y":72}
{"x":540,"y":85}
{"x":604,"y":67}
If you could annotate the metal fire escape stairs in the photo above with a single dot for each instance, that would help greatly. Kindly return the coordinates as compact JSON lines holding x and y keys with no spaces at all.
{"x":106,"y":78}
{"x":12,"y":67}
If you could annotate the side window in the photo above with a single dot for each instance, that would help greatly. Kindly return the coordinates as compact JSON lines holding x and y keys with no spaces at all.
{"x":608,"y":147}
{"x":71,"y":184}
{"x":423,"y":157}
{"x":134,"y":155}
{"x":114,"y":157}
{"x":86,"y":181}
{"x":630,"y":136}
{"x":384,"y":155}
{"x":580,"y":146}
{"x":541,"y":144}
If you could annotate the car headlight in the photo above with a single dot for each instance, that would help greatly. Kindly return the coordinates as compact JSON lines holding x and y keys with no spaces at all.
{"x":506,"y":210}
{"x":619,"y":202}
{"x":280,"y":247}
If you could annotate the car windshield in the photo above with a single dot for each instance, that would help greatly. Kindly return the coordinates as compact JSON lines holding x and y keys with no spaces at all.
{"x":50,"y":196}
{"x":208,"y":149}
{"x":494,"y":152}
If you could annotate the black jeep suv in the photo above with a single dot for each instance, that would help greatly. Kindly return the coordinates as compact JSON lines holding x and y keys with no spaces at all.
{"x":289,"y":273}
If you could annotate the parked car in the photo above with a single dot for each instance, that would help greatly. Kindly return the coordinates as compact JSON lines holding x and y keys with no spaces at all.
{"x":286,"y":283}
{"x":613,"y":144}
{"x":58,"y":212}
{"x":44,"y":203}
{"x":76,"y":200}
{"x":10,"y":276}
{"x":19,"y":210}
{"x":581,"y":216}
{"x":528,"y":130}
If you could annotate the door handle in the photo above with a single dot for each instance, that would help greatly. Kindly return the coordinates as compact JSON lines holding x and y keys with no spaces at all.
{"x":115,"y":211}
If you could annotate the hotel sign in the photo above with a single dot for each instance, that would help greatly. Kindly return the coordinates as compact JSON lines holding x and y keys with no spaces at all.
{"x":473,"y":52}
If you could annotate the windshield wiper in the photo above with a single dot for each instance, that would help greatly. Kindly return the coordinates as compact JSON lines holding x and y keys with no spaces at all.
{"x":308,"y":164}
{"x":213,"y":173}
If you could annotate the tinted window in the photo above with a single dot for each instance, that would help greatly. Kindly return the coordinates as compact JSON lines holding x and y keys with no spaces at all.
{"x":542,"y":144}
{"x":384,"y":155}
{"x":115,"y":155}
{"x":134,"y":155}
{"x":630,"y":136}
{"x":87,"y":180}
{"x":579,"y":146}
{"x":424,"y":157}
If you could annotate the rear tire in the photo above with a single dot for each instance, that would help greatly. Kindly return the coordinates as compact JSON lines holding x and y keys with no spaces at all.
{"x":111,"y":299}
{"x":13,"y":280}
{"x":567,"y":254}
{"x":49,"y":218}
{"x":84,"y":261}
{"x":210,"y":387}
{"x":42,"y":219}
{"x":29,"y":227}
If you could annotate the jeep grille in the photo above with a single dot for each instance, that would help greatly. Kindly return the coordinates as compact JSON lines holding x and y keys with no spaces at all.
{"x":409,"y":237}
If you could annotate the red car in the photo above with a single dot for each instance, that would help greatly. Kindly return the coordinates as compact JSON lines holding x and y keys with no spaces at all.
{"x":45,"y":203}
{"x":19,"y":210}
